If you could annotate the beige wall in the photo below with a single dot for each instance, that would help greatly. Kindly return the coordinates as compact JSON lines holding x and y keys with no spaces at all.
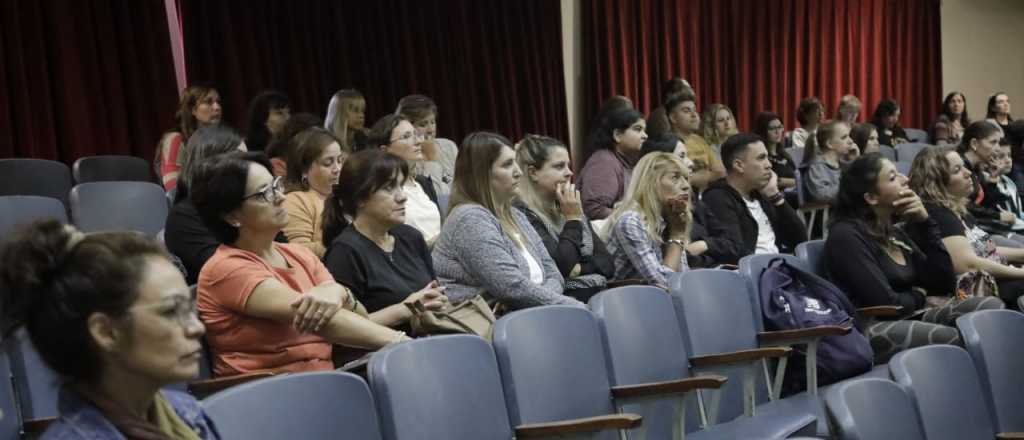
{"x":983,"y":51}
{"x":572,"y":58}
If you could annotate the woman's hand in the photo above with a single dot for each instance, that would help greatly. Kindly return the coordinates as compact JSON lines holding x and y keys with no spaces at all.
{"x":697,"y":247}
{"x":909,"y":207}
{"x":432,"y":296}
{"x":429,"y":149}
{"x":569,"y":201}
{"x":679,"y":216}
{"x":1007,"y":217}
{"x":316,"y":307}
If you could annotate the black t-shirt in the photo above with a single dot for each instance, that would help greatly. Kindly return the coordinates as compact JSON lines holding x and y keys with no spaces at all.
{"x":782,"y":163}
{"x":380,"y":279}
{"x":949,"y":224}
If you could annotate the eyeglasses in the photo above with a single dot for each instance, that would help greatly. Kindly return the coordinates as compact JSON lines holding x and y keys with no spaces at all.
{"x":775,"y":127}
{"x":409,"y":135}
{"x":183,"y":310}
{"x":270,"y":192}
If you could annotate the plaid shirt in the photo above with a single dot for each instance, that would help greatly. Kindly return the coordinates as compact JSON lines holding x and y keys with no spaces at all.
{"x":636,"y":254}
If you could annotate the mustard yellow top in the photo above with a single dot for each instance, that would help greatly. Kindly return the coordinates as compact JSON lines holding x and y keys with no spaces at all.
{"x":305,"y":220}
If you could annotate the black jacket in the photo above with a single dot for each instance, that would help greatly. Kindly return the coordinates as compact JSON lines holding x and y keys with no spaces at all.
{"x":565,"y":248}
{"x":728,"y":220}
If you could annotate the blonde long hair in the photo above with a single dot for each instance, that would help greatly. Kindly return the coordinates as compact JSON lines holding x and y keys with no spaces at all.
{"x":534,"y":151}
{"x":711,"y":134}
{"x":929,"y":178}
{"x":642,"y":194}
{"x":337,"y":117}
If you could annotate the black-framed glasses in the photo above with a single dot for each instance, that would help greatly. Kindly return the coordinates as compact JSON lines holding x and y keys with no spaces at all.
{"x":270,"y":192}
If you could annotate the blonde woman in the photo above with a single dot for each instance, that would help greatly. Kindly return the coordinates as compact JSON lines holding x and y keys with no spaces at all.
{"x":832,"y":146}
{"x":552,"y":204}
{"x":346,"y":118}
{"x":719,"y":124}
{"x":649,"y":230}
{"x":486,"y":246}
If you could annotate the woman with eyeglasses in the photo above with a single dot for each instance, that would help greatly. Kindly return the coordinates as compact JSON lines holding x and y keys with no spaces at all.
{"x":395,"y":134}
{"x":769,"y":127}
{"x":113,"y":317}
{"x":268,"y":306}
{"x":314,"y":164}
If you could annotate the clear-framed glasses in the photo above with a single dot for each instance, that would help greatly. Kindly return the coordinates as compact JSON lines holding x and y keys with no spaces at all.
{"x":182,"y":310}
{"x":409,"y":136}
{"x":276,"y":186}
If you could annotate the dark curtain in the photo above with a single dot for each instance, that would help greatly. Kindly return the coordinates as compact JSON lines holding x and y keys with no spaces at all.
{"x":494,"y":65}
{"x":767,"y":55}
{"x":84,"y":77}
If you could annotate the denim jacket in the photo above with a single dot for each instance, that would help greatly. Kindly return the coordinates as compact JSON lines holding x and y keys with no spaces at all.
{"x":80,"y":420}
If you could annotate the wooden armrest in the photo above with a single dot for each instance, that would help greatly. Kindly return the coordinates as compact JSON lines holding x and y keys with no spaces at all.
{"x":739,"y":356}
{"x":1010,"y":435}
{"x":586,"y":424}
{"x":626,"y":282}
{"x":206,"y":387}
{"x":35,"y":427}
{"x":800,"y":333}
{"x":668,"y":387}
{"x":880,"y":311}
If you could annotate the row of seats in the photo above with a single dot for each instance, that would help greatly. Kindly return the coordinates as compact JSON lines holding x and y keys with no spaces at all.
{"x":902,"y":153}
{"x":99,"y":206}
{"x":54,"y":179}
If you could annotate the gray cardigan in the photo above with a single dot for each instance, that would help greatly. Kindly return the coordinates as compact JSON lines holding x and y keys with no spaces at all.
{"x":473,"y":256}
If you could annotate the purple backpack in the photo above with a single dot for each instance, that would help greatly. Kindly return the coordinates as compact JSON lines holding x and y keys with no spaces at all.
{"x":792,"y":298}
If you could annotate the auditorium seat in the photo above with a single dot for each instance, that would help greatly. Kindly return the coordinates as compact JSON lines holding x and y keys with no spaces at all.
{"x":873,"y":408}
{"x":812,"y":252}
{"x":10,"y":420}
{"x":35,"y":177}
{"x":106,"y":206}
{"x":651,"y":350}
{"x":36,"y":385}
{"x":992,"y":338}
{"x":943,"y":383}
{"x":553,"y":368}
{"x":887,"y":152}
{"x":903,"y":167}
{"x":907,"y":152}
{"x":916,"y":135}
{"x":20,"y":210}
{"x":312,"y":405}
{"x":111,"y":169}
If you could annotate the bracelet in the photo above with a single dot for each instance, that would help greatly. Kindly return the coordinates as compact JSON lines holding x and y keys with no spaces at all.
{"x":677,"y":241}
{"x":775,"y":198}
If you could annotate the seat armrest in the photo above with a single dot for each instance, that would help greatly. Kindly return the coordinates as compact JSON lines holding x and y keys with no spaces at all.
{"x":880,"y":311}
{"x":803,"y":333}
{"x":668,"y":387}
{"x":626,"y":282}
{"x":33,"y":428}
{"x":575,"y":426}
{"x":739,"y":356}
{"x":1010,"y":435}
{"x":206,"y":387}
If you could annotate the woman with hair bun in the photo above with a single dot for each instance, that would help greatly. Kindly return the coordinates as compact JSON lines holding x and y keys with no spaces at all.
{"x":114,"y":318}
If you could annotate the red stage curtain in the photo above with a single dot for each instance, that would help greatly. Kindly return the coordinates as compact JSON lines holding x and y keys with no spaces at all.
{"x":83,"y":78}
{"x":767,"y":55}
{"x":488,"y":65}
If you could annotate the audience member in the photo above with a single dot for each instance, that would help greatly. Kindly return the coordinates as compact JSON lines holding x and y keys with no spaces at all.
{"x":604,"y":178}
{"x":769,"y":127}
{"x":487,"y":246}
{"x":748,"y":213}
{"x":648,"y":232}
{"x":268,"y":306}
{"x":1015,"y":136}
{"x":998,"y":110}
{"x":268,"y":114}
{"x":668,"y":143}
{"x":185,"y":235}
{"x":949,"y":126}
{"x":719,"y":124}
{"x":383,"y":261}
{"x":809,"y":114}
{"x":111,"y":315}
{"x":944,"y":183}
{"x":280,"y":145}
{"x":977,"y":148}
{"x":823,"y":157}
{"x":866,"y":137}
{"x":396,"y":135}
{"x":595,"y":139}
{"x":879,"y":264}
{"x":657,"y":122}
{"x":438,"y":153}
{"x":346,"y":118}
{"x":199,"y":106}
{"x":1000,"y":190}
{"x":848,"y":110}
{"x":314,"y":163}
{"x":685,"y":122}
{"x":887,"y":119}
{"x":552,"y":204}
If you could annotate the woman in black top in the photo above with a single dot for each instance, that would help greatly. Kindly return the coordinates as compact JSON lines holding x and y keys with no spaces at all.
{"x":876,"y":263}
{"x":887,"y":119}
{"x":769,"y":127}
{"x":383,"y":261}
{"x":552,"y":204}
{"x":977,"y":148}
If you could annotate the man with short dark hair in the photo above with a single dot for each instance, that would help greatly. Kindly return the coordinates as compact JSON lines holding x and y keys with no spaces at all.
{"x":684,"y":119}
{"x":745,"y":211}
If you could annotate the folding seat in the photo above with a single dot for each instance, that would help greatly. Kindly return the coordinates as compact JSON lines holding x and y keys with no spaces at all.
{"x":992,"y":338}
{"x":448,"y":387}
{"x":10,"y":420}
{"x":887,"y":152}
{"x":35,"y":177}
{"x":20,"y":210}
{"x":873,"y":408}
{"x":916,"y":135}
{"x":643,"y":344}
{"x":313,"y":405}
{"x":36,"y":386}
{"x":106,"y":206}
{"x":907,"y":152}
{"x":904,"y":166}
{"x":942,"y":381}
{"x":111,"y":169}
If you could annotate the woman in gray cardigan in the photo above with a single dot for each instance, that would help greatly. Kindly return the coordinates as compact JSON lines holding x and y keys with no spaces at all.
{"x":486,"y":246}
